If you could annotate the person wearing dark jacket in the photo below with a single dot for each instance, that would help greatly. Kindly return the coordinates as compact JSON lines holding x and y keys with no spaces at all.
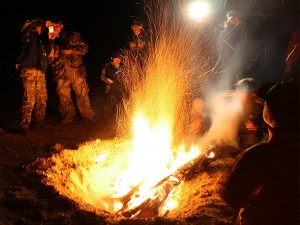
{"x":240,"y":113}
{"x":263,"y":186}
{"x":252,"y":128}
{"x":112,"y":75}
{"x":69,"y":73}
{"x":33,"y":63}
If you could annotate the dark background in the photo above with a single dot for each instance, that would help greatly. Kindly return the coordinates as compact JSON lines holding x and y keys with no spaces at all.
{"x":104,"y":26}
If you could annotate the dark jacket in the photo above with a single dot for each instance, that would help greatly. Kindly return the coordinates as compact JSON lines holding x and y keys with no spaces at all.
{"x":34,"y":48}
{"x":264,"y":183}
{"x":110,"y":71}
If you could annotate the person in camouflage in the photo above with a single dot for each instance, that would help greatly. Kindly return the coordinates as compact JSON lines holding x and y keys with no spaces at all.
{"x":32,"y":64}
{"x":137,"y":46}
{"x":69,"y":73}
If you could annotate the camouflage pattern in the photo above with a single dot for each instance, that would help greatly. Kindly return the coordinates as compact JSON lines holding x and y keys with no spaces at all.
{"x":81,"y":89}
{"x":70,"y":75}
{"x":61,"y":62}
{"x":34,"y":96}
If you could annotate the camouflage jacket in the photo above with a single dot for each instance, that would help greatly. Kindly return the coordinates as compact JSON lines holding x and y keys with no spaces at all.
{"x":61,"y":63}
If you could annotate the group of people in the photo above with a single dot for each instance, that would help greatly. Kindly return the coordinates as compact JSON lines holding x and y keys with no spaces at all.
{"x":242,"y":49}
{"x":237,"y":112}
{"x":263,"y":185}
{"x":47,"y":44}
{"x":134,"y":54}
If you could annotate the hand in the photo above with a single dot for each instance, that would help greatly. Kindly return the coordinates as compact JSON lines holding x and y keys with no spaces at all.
{"x":67,"y":51}
{"x":109,"y":81}
{"x":52,"y":35}
{"x":18,"y":66}
{"x":48,"y":23}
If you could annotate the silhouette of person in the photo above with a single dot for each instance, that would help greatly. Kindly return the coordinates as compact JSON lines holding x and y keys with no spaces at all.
{"x":263,"y":186}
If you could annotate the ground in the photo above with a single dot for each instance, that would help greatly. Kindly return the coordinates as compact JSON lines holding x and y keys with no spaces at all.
{"x":26,"y":198}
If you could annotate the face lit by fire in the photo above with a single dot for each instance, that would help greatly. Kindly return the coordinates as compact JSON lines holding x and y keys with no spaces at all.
{"x":116,"y":61}
{"x":57,"y":28}
{"x":234,"y":20}
{"x":198,"y":105}
{"x":136,"y":29}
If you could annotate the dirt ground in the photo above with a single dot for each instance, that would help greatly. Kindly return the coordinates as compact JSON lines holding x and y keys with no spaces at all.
{"x":26,"y":200}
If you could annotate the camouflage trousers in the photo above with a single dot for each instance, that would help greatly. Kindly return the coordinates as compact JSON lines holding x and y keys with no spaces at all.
{"x":78,"y":84}
{"x":34,"y":97}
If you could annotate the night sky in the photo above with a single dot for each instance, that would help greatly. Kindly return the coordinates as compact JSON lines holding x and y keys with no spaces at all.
{"x":103,"y":25}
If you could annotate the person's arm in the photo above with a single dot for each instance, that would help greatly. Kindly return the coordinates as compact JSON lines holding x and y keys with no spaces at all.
{"x":80,"y":48}
{"x":103,"y":76}
{"x":243,"y":179}
{"x":292,"y":51}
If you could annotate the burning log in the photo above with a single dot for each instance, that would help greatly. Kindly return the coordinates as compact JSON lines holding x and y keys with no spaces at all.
{"x":159,"y":192}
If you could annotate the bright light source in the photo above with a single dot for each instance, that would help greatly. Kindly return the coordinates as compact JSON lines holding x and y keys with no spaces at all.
{"x":198,"y":10}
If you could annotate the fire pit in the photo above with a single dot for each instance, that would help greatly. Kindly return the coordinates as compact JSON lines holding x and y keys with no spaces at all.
{"x":86,"y":176}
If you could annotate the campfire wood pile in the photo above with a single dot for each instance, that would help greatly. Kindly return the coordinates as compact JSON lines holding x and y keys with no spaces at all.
{"x":150,"y":206}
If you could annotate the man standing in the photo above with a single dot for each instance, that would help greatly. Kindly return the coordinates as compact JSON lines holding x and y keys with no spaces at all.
{"x":238,"y":49}
{"x":112,"y":74}
{"x":137,"y":48}
{"x":33,"y":63}
{"x":69,"y":73}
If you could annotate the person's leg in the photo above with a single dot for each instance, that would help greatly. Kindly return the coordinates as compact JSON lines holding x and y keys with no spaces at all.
{"x":28,"y":97}
{"x":66,"y":107}
{"x":81,"y":91}
{"x":41,"y":98}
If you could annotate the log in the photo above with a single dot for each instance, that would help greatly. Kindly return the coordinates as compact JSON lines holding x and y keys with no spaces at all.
{"x":150,"y":207}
